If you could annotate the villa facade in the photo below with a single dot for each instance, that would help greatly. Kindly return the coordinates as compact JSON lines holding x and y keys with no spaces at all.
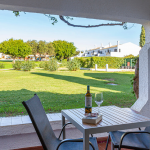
{"x":119,"y":50}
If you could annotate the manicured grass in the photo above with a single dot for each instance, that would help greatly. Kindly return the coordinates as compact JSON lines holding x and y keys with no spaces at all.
{"x":8,"y":63}
{"x":61,"y":89}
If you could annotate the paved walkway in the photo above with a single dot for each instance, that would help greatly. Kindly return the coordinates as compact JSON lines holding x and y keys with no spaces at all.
{"x":8,"y":121}
{"x":109,"y":70}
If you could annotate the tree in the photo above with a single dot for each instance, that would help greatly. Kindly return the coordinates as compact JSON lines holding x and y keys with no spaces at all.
{"x":77,"y":52}
{"x":64,"y":49}
{"x":142,"y":37}
{"x":65,"y":20}
{"x":42,"y":48}
{"x":15,"y":48}
{"x":50,"y":49}
{"x":34,"y":47}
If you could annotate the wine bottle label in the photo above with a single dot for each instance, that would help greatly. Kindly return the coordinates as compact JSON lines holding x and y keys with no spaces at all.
{"x":88,"y":102}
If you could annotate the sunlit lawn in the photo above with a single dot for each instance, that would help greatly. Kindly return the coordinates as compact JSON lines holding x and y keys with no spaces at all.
{"x":8,"y":63}
{"x":61,"y":89}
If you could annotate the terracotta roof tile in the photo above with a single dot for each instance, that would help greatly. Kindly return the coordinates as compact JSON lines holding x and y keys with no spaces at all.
{"x":102,"y":48}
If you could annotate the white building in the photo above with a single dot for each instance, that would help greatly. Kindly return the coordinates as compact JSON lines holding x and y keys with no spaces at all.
{"x":119,"y":50}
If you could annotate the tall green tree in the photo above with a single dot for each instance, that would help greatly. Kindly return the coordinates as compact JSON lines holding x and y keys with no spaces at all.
{"x":34,"y":47}
{"x":142,"y":37}
{"x":64,"y":49}
{"x":15,"y":48}
{"x":42,"y":48}
{"x":50,"y":49}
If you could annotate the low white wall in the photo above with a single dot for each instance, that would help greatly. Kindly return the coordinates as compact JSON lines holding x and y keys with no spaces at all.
{"x":24,"y":135}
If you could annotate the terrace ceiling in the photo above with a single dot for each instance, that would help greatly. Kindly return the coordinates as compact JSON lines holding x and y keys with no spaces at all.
{"x":137,"y":11}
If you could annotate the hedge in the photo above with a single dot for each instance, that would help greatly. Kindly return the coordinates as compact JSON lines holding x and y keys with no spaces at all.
{"x":85,"y":62}
{"x":89,"y":62}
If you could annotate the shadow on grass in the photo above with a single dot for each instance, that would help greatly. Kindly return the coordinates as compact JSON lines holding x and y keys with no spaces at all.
{"x":120,"y":76}
{"x":11,"y":101}
{"x":97,"y":81}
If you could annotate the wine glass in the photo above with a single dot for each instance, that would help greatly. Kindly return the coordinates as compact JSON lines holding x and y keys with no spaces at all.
{"x":99,"y":100}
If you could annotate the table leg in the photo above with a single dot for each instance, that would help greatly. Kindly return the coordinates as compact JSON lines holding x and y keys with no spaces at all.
{"x":112,"y":146}
{"x":63,"y":123}
{"x":85,"y":141}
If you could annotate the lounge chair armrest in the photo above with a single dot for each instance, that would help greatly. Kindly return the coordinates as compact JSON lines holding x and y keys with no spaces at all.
{"x":63,"y":129}
{"x":136,"y":132}
{"x":73,"y":140}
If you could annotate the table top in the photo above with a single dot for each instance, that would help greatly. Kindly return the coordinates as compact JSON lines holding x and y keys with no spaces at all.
{"x":114,"y":118}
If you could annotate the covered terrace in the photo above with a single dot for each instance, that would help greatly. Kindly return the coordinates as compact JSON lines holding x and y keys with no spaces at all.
{"x":135,"y":11}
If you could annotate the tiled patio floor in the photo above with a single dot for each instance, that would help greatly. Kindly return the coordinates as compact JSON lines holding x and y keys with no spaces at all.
{"x":102,"y":144}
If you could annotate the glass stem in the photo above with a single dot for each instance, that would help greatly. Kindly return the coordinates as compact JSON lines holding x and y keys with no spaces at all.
{"x":98,"y":109}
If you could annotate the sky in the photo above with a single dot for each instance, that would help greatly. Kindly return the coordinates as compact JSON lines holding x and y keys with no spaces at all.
{"x":35,"y":26}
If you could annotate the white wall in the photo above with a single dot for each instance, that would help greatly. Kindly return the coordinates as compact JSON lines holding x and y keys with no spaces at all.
{"x":126,"y":49}
{"x":129,"y":48}
{"x":0,"y":55}
{"x":116,"y":54}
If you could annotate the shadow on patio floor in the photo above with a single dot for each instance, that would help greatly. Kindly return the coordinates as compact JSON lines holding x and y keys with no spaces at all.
{"x":102,"y":144}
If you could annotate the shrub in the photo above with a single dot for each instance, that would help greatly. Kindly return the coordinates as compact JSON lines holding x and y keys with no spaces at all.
{"x":34,"y":65}
{"x":42,"y":64}
{"x":113,"y":62}
{"x":73,"y":65}
{"x":17,"y":65}
{"x":51,"y":65}
{"x":46,"y":65}
{"x":63,"y":63}
{"x":129,"y":56}
{"x":26,"y":66}
{"x":89,"y":62}
{"x":85,"y":62}
{"x":2,"y":65}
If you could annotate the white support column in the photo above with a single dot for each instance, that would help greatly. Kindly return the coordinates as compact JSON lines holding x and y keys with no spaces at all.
{"x":106,"y":67}
{"x":95,"y":67}
{"x":142,"y":105}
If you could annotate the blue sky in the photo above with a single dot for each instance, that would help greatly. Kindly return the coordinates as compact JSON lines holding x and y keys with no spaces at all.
{"x":33,"y":26}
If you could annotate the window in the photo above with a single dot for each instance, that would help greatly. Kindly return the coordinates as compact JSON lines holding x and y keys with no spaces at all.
{"x":119,"y":50}
{"x":115,"y":50}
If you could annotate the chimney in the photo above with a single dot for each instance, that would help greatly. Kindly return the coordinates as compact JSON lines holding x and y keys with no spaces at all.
{"x":101,"y":45}
{"x":117,"y":46}
{"x":109,"y":44}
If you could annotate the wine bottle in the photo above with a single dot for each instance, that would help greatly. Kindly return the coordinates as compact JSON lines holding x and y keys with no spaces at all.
{"x":88,"y":101}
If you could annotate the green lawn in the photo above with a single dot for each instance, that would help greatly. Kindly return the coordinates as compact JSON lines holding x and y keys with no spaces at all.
{"x":61,"y":89}
{"x":8,"y":63}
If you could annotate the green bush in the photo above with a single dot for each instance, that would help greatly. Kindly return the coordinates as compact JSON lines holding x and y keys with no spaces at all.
{"x":113,"y":62}
{"x":17,"y":65}
{"x":51,"y":65}
{"x":42,"y":64}
{"x":129,"y":56}
{"x":73,"y":65}
{"x":2,"y":65}
{"x":85,"y":62}
{"x":89,"y":62}
{"x":46,"y":65}
{"x":63,"y":63}
{"x":26,"y":66}
{"x":34,"y":65}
